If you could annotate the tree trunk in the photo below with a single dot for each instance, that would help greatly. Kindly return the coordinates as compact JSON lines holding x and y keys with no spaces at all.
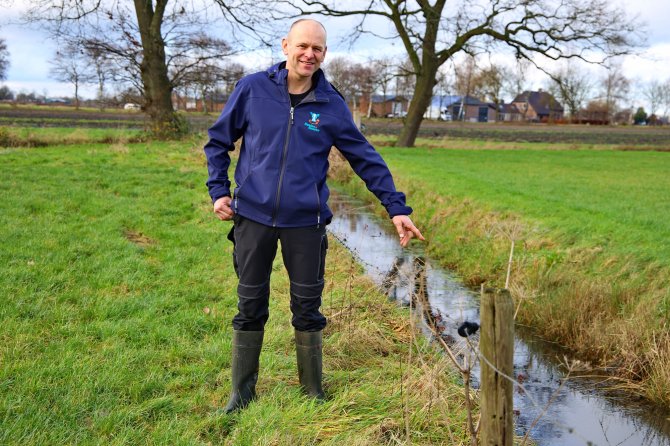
{"x":203,"y":94}
{"x":165,"y":122}
{"x":423,"y":95}
{"x":76,"y":94}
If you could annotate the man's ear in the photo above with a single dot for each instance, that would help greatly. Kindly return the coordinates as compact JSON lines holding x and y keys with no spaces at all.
{"x":284,"y":46}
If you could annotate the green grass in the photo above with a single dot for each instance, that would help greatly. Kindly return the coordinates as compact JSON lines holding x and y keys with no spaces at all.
{"x":117,"y":294}
{"x":591,"y":264}
{"x":616,"y":200}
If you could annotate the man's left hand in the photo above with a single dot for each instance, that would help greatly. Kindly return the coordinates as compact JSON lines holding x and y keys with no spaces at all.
{"x":406,"y":229}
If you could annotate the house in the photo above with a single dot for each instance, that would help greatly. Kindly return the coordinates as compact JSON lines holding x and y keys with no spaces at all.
{"x":214,"y":103}
{"x":509,"y":113}
{"x":461,"y":108}
{"x":381,"y":106}
{"x":538,"y":106}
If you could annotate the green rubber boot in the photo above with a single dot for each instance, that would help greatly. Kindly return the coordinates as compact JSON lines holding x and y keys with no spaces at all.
{"x":310,"y":363}
{"x":246,"y":351}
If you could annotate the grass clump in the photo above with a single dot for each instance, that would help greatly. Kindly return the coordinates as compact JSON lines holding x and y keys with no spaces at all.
{"x":118,"y":291}
{"x":591,"y":269}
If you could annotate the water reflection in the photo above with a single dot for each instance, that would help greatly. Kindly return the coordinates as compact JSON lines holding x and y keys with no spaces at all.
{"x":579,"y":413}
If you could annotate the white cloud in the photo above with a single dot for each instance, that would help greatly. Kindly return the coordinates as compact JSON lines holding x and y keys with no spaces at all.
{"x":653,"y":63}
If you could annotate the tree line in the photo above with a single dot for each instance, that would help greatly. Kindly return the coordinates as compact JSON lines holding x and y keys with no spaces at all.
{"x":160,"y":46}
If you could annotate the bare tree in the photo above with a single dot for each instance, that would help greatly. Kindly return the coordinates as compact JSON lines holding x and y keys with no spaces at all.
{"x":205,"y":80}
{"x":491,"y":82}
{"x":6,"y":93}
{"x":4,"y":60}
{"x":350,"y":78}
{"x":101,"y":68}
{"x":153,"y":45}
{"x":405,"y":82}
{"x":571,"y":86}
{"x":383,"y":71}
{"x":70,"y":65}
{"x":518,"y":77}
{"x":465,"y":75}
{"x":614,"y":89}
{"x":231,"y":73}
{"x":666,"y":97}
{"x":654,"y":92}
{"x":445,"y":85}
{"x":433,"y":32}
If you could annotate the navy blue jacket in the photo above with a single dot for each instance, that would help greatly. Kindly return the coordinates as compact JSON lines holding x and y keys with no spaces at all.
{"x":283,"y":162}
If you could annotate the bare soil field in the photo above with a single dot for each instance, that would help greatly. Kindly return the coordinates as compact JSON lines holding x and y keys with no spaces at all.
{"x":43,"y":117}
{"x":540,"y":133}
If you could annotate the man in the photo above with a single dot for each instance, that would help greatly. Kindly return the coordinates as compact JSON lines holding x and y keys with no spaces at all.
{"x":289,"y":118}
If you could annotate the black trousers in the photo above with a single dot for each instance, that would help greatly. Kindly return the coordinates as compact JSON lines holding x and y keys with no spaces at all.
{"x":304,"y":255}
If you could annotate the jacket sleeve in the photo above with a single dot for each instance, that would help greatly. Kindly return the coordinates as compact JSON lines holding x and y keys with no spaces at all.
{"x":369,"y":165}
{"x":222,"y":136}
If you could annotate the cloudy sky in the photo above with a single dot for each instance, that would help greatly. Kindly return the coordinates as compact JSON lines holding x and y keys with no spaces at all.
{"x":30,"y":49}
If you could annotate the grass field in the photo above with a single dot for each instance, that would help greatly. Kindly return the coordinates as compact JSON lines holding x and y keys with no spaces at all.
{"x":592,"y":264}
{"x":117,"y":293}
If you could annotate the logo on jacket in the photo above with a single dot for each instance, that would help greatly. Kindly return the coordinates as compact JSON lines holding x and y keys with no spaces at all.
{"x":313,"y":123}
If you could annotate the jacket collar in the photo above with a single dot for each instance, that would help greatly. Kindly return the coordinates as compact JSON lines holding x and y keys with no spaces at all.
{"x":278,"y":73}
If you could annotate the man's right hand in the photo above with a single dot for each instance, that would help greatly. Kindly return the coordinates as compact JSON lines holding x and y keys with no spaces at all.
{"x":222,"y":208}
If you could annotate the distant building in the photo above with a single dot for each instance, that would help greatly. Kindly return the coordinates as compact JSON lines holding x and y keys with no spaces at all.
{"x":509,"y":113}
{"x":538,"y":106}
{"x":461,"y":108}
{"x":381,"y":106}
{"x":214,"y":103}
{"x":57,"y":101}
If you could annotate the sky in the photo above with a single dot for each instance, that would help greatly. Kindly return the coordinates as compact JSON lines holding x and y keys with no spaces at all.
{"x":30,"y":49}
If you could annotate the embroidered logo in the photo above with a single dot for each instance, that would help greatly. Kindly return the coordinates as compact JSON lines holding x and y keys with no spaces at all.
{"x":313,"y":123}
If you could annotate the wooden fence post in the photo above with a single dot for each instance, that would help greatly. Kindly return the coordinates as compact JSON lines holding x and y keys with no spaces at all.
{"x":496,"y":343}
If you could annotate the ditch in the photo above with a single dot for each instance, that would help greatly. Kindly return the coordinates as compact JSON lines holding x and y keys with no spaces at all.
{"x":583,"y":411}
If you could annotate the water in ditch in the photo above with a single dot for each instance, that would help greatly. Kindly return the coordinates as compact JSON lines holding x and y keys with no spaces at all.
{"x":580,"y":412}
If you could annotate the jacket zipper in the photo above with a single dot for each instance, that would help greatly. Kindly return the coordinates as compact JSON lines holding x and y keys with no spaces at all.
{"x":283,"y":167}
{"x":275,"y":211}
{"x":318,"y":206}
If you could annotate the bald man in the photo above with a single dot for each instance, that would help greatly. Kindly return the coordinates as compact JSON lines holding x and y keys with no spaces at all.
{"x":289,"y":118}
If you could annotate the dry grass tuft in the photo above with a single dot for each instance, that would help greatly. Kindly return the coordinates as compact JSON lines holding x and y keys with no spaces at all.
{"x":138,"y":238}
{"x":119,"y":148}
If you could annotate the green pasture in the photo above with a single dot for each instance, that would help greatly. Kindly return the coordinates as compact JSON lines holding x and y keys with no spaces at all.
{"x":117,"y":293}
{"x":615,"y":200}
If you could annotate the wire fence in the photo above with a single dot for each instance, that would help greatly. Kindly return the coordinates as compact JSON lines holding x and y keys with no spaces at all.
{"x":405,"y":278}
